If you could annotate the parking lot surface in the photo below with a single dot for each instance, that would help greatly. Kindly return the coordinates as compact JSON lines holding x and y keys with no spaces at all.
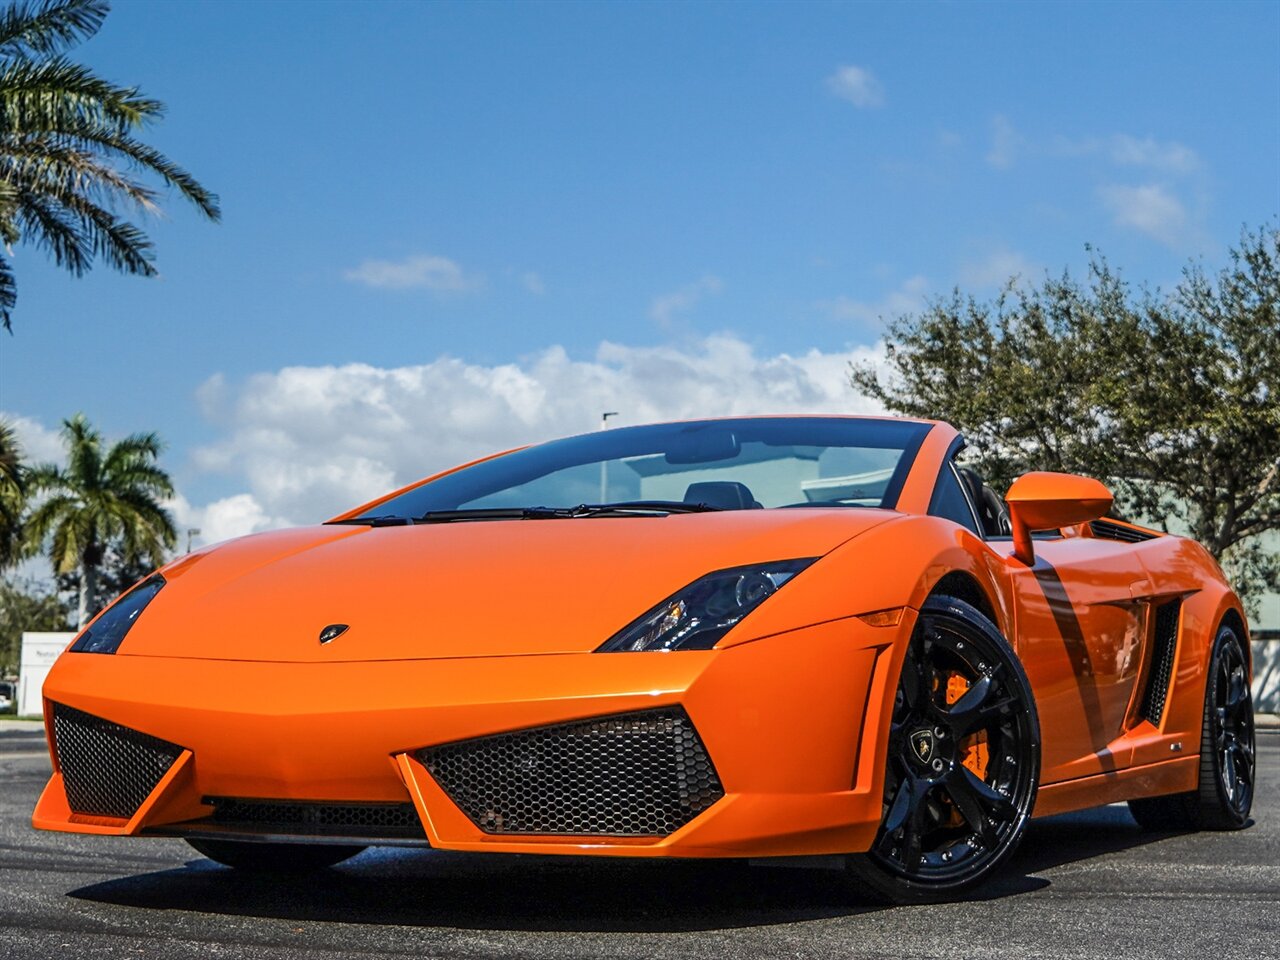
{"x":1083,"y":885}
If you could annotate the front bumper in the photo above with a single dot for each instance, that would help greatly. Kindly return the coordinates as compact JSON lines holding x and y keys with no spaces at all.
{"x":792,"y":723}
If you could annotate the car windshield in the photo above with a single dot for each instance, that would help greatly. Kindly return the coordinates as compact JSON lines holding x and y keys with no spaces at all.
{"x":709,"y":464}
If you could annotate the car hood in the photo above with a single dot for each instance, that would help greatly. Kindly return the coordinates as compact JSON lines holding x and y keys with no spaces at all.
{"x":471,"y":589}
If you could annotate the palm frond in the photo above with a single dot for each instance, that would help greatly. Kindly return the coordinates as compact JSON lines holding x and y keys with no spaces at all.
{"x":56,"y":95}
{"x":68,"y":154}
{"x":13,"y":495}
{"x":48,"y":225}
{"x":48,"y":26}
{"x":121,"y":244}
{"x":47,"y":514}
{"x":8,"y":207}
{"x":10,"y":454}
{"x":52,"y":164}
{"x":120,"y":144}
{"x":8,"y":294}
{"x":135,"y":447}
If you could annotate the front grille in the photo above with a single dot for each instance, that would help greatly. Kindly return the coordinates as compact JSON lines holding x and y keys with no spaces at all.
{"x":107,"y":769}
{"x":1164,"y":646}
{"x":633,"y":774}
{"x":387,"y":820}
{"x":1106,"y":530}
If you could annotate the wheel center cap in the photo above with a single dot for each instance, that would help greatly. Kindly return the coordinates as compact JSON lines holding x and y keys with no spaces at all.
{"x":923,"y":745}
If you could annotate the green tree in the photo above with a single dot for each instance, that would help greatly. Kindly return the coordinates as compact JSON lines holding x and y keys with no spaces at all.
{"x":69,"y":151}
{"x":1173,"y":398}
{"x":106,"y":498}
{"x":115,"y":575}
{"x":25,"y":606}
{"x":12,"y":494}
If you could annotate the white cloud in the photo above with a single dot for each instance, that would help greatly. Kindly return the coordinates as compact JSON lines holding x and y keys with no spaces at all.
{"x":224,"y":519}
{"x":1124,"y":150}
{"x":1121,"y":149}
{"x":1006,"y":143}
{"x":1171,"y":157}
{"x":308,"y":442}
{"x":996,"y":269}
{"x":909,"y":297}
{"x":1151,"y":209}
{"x":664,"y":309}
{"x":533,"y":283}
{"x":301,"y":444}
{"x":420,"y":271}
{"x":858,"y":85}
{"x":39,"y":443}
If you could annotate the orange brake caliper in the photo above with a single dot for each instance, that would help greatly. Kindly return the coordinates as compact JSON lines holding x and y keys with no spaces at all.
{"x":973,"y":749}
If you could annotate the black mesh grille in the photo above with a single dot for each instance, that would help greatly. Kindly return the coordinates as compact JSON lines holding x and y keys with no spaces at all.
{"x":1164,"y":645}
{"x":107,"y":769}
{"x":299,"y":817}
{"x":1106,"y":530}
{"x":634,"y":774}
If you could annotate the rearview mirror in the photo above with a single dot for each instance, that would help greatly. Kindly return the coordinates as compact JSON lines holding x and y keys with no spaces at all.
{"x":703,"y":445}
{"x":1050,"y":501}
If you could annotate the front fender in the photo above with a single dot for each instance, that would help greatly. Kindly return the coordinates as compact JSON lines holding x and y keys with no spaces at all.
{"x":896,"y":564}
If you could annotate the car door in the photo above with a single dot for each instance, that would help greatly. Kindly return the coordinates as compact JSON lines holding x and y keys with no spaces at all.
{"x":1080,"y":629}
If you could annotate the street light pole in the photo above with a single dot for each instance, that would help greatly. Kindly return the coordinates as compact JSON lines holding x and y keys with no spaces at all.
{"x":604,"y":464}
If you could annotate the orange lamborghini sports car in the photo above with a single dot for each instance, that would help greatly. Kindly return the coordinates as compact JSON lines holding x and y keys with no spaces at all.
{"x":755,"y":637}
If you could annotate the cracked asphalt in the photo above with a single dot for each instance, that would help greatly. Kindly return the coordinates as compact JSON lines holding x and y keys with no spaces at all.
{"x":1083,"y":885}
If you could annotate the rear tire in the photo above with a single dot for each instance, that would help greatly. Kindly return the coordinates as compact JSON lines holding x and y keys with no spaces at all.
{"x":257,"y":857}
{"x":1224,"y":796}
{"x":963,"y":762}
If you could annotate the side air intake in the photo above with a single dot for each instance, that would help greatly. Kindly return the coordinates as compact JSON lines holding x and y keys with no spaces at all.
{"x":1163,"y":648}
{"x":633,"y":774}
{"x":1107,"y":530}
{"x":107,"y":769}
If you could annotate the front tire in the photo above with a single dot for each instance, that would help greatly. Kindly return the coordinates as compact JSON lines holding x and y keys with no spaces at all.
{"x":1224,"y":796}
{"x":283,"y":858}
{"x":963,"y":762}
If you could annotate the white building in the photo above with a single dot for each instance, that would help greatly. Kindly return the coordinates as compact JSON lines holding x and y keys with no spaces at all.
{"x":39,"y":650}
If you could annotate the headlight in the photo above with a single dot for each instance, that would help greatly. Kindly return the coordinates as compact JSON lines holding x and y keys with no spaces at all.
{"x":697,"y":616}
{"x":105,"y":634}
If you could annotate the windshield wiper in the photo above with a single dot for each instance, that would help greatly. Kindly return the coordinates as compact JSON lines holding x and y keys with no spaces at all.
{"x":623,"y":508}
{"x":497,"y":513}
{"x":626,"y":508}
{"x":450,"y":516}
{"x":633,"y":507}
{"x":386,"y":521}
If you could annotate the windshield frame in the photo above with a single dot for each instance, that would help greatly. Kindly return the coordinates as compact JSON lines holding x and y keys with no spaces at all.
{"x":912,"y":434}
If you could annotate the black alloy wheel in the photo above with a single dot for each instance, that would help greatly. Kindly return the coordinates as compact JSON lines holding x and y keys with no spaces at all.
{"x":281,"y":858}
{"x":1224,"y":797}
{"x":963,"y":761}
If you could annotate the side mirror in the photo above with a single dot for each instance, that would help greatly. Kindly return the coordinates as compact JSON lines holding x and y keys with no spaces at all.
{"x":1049,"y":501}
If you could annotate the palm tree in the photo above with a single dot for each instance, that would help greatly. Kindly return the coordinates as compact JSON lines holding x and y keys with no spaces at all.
{"x":12,"y":494}
{"x":69,"y":157}
{"x":104,"y":497}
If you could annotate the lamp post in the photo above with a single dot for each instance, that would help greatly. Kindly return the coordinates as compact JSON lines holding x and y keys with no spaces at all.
{"x":604,"y":464}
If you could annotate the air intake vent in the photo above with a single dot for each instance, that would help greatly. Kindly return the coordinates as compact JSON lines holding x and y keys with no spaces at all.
{"x":1108,"y":530}
{"x":635,"y":774}
{"x":386,"y":820}
{"x":107,"y":769}
{"x":1164,"y":646}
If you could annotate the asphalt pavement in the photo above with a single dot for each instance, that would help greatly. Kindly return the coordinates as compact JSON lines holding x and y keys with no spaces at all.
{"x":1083,"y":885}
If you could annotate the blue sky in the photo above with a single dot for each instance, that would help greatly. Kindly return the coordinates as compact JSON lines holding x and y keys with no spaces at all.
{"x":437,"y":214}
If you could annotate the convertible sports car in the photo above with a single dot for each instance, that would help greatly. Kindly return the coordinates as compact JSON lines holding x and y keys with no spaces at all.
{"x":755,"y":637}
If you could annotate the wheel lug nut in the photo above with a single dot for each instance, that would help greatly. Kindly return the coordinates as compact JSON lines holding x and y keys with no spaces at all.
{"x":938,"y":765}
{"x":939,"y":733}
